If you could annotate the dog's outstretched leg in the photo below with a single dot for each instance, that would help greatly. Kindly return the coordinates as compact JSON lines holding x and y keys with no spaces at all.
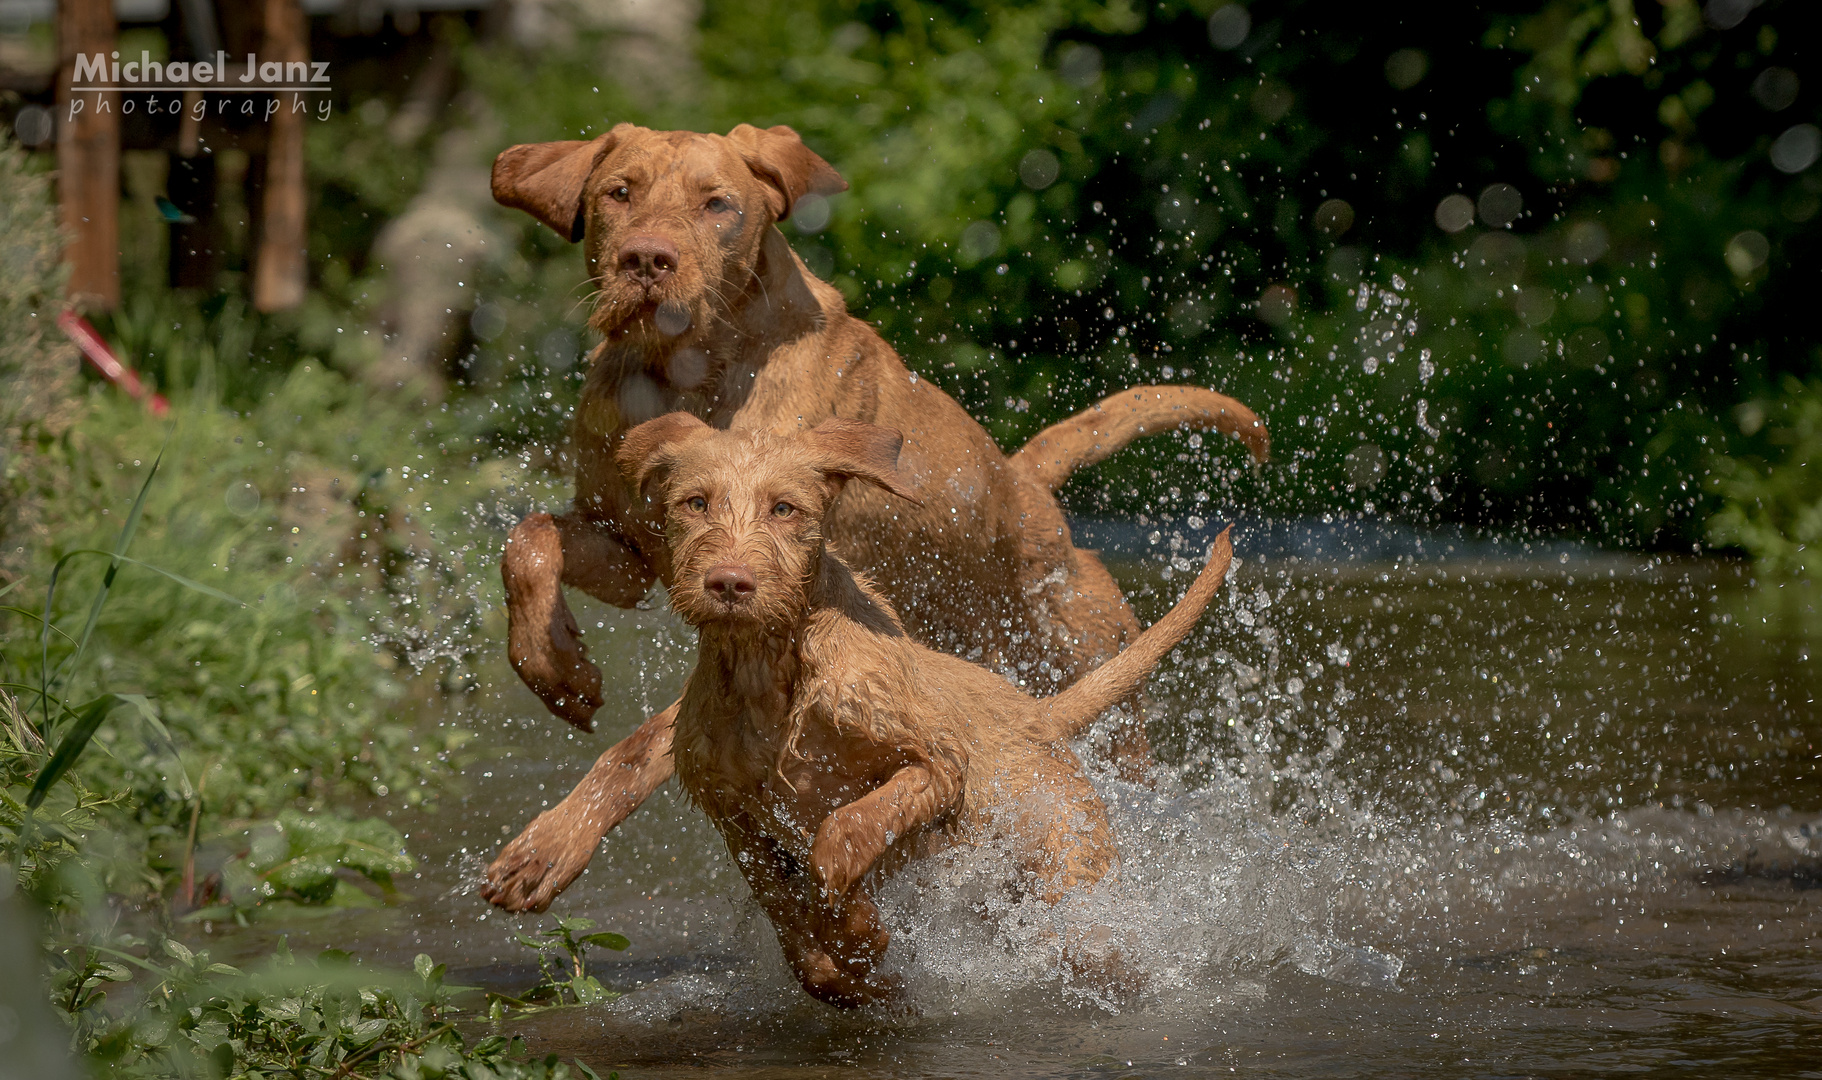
{"x":851,"y":839}
{"x":554,"y":849}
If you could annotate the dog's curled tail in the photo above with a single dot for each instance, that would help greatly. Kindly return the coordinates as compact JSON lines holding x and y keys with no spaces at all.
{"x":1071,"y":711}
{"x":1095,"y":433}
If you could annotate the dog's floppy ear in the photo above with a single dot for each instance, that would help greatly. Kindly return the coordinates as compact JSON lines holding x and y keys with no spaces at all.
{"x":790,"y":169}
{"x":650,"y":445}
{"x":546,"y":180}
{"x":850,"y":449}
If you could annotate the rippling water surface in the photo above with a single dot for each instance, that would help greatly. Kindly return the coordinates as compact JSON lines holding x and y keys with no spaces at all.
{"x":1497,"y":816}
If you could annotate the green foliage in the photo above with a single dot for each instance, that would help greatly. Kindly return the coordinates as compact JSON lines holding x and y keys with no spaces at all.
{"x":563,"y":983}
{"x":41,"y":848}
{"x":302,"y":858}
{"x":297,"y":857}
{"x":293,"y":1018}
{"x":344,"y":522}
{"x":31,"y":275}
{"x":341,"y":520}
{"x":1773,"y":506}
{"x":346,"y":536}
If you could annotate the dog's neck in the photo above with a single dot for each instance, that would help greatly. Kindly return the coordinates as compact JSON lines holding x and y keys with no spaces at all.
{"x":709,"y":370}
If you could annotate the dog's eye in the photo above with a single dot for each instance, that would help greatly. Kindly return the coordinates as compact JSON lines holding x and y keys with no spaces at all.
{"x":784,"y":509}
{"x":719,"y":205}
{"x":621,"y":193}
{"x":697,"y":503}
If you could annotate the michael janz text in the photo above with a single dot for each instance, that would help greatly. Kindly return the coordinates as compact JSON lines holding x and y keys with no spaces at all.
{"x":103,"y":82}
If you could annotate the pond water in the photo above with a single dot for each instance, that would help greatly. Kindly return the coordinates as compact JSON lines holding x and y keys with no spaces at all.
{"x":1481,"y":812}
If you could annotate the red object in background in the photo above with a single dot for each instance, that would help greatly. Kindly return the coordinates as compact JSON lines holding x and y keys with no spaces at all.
{"x":108,"y":364}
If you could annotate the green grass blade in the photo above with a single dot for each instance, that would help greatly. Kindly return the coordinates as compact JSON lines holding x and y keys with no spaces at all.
{"x":15,"y":584}
{"x":44,"y":644}
{"x":28,"y":687}
{"x":46,"y":681}
{"x":127,"y":528}
{"x":35,"y":617}
{"x":188,"y":583}
{"x":71,"y":747}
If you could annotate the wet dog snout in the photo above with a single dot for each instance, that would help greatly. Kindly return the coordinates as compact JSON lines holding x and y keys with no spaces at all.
{"x":730,"y":582}
{"x":648,"y":260}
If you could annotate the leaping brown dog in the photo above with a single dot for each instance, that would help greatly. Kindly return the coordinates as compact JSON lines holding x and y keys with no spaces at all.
{"x":826,"y":745}
{"x":705,"y":309}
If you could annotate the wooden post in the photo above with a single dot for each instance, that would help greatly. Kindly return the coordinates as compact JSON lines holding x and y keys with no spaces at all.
{"x":88,"y":156}
{"x":279,"y":267}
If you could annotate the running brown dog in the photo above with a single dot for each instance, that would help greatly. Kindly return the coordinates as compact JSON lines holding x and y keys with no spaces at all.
{"x":817,"y":736}
{"x":705,"y":309}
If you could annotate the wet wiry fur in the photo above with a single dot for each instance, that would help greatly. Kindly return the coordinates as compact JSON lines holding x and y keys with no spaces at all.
{"x":823,"y":742}
{"x":704,"y":308}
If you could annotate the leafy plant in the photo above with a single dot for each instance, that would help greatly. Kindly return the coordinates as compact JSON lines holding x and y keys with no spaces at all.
{"x":25,"y":743}
{"x":1773,"y":500}
{"x":321,"y":1018}
{"x":562,"y":961}
{"x":38,"y":370}
{"x":155,"y":711}
{"x":41,"y":846}
{"x":307,"y":859}
{"x":352,"y":577}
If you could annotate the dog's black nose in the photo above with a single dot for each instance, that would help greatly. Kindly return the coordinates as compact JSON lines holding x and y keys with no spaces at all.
{"x":730,"y":582}
{"x":648,"y":259}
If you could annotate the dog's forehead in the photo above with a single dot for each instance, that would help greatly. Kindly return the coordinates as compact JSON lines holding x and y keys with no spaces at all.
{"x":686,"y":155}
{"x":742,"y":460}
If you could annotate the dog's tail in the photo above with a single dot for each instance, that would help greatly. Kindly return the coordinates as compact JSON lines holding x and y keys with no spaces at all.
{"x":1071,"y":711}
{"x":1093,"y":434}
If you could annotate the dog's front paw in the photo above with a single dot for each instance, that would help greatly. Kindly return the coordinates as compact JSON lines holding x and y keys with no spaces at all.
{"x":852,"y":931}
{"x":845,"y":985}
{"x":836,"y":861}
{"x":539,"y":863}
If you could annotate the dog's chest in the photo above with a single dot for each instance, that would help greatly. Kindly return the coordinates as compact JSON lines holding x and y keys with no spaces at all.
{"x":754,"y":758}
{"x":733,"y":725}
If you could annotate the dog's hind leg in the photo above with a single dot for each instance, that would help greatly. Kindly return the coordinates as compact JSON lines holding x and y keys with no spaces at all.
{"x":1074,"y":616}
{"x":1061,"y":837}
{"x":1064,"y":843}
{"x":555,"y":848}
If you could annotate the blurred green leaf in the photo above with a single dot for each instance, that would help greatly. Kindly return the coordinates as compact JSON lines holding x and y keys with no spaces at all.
{"x":75,"y":740}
